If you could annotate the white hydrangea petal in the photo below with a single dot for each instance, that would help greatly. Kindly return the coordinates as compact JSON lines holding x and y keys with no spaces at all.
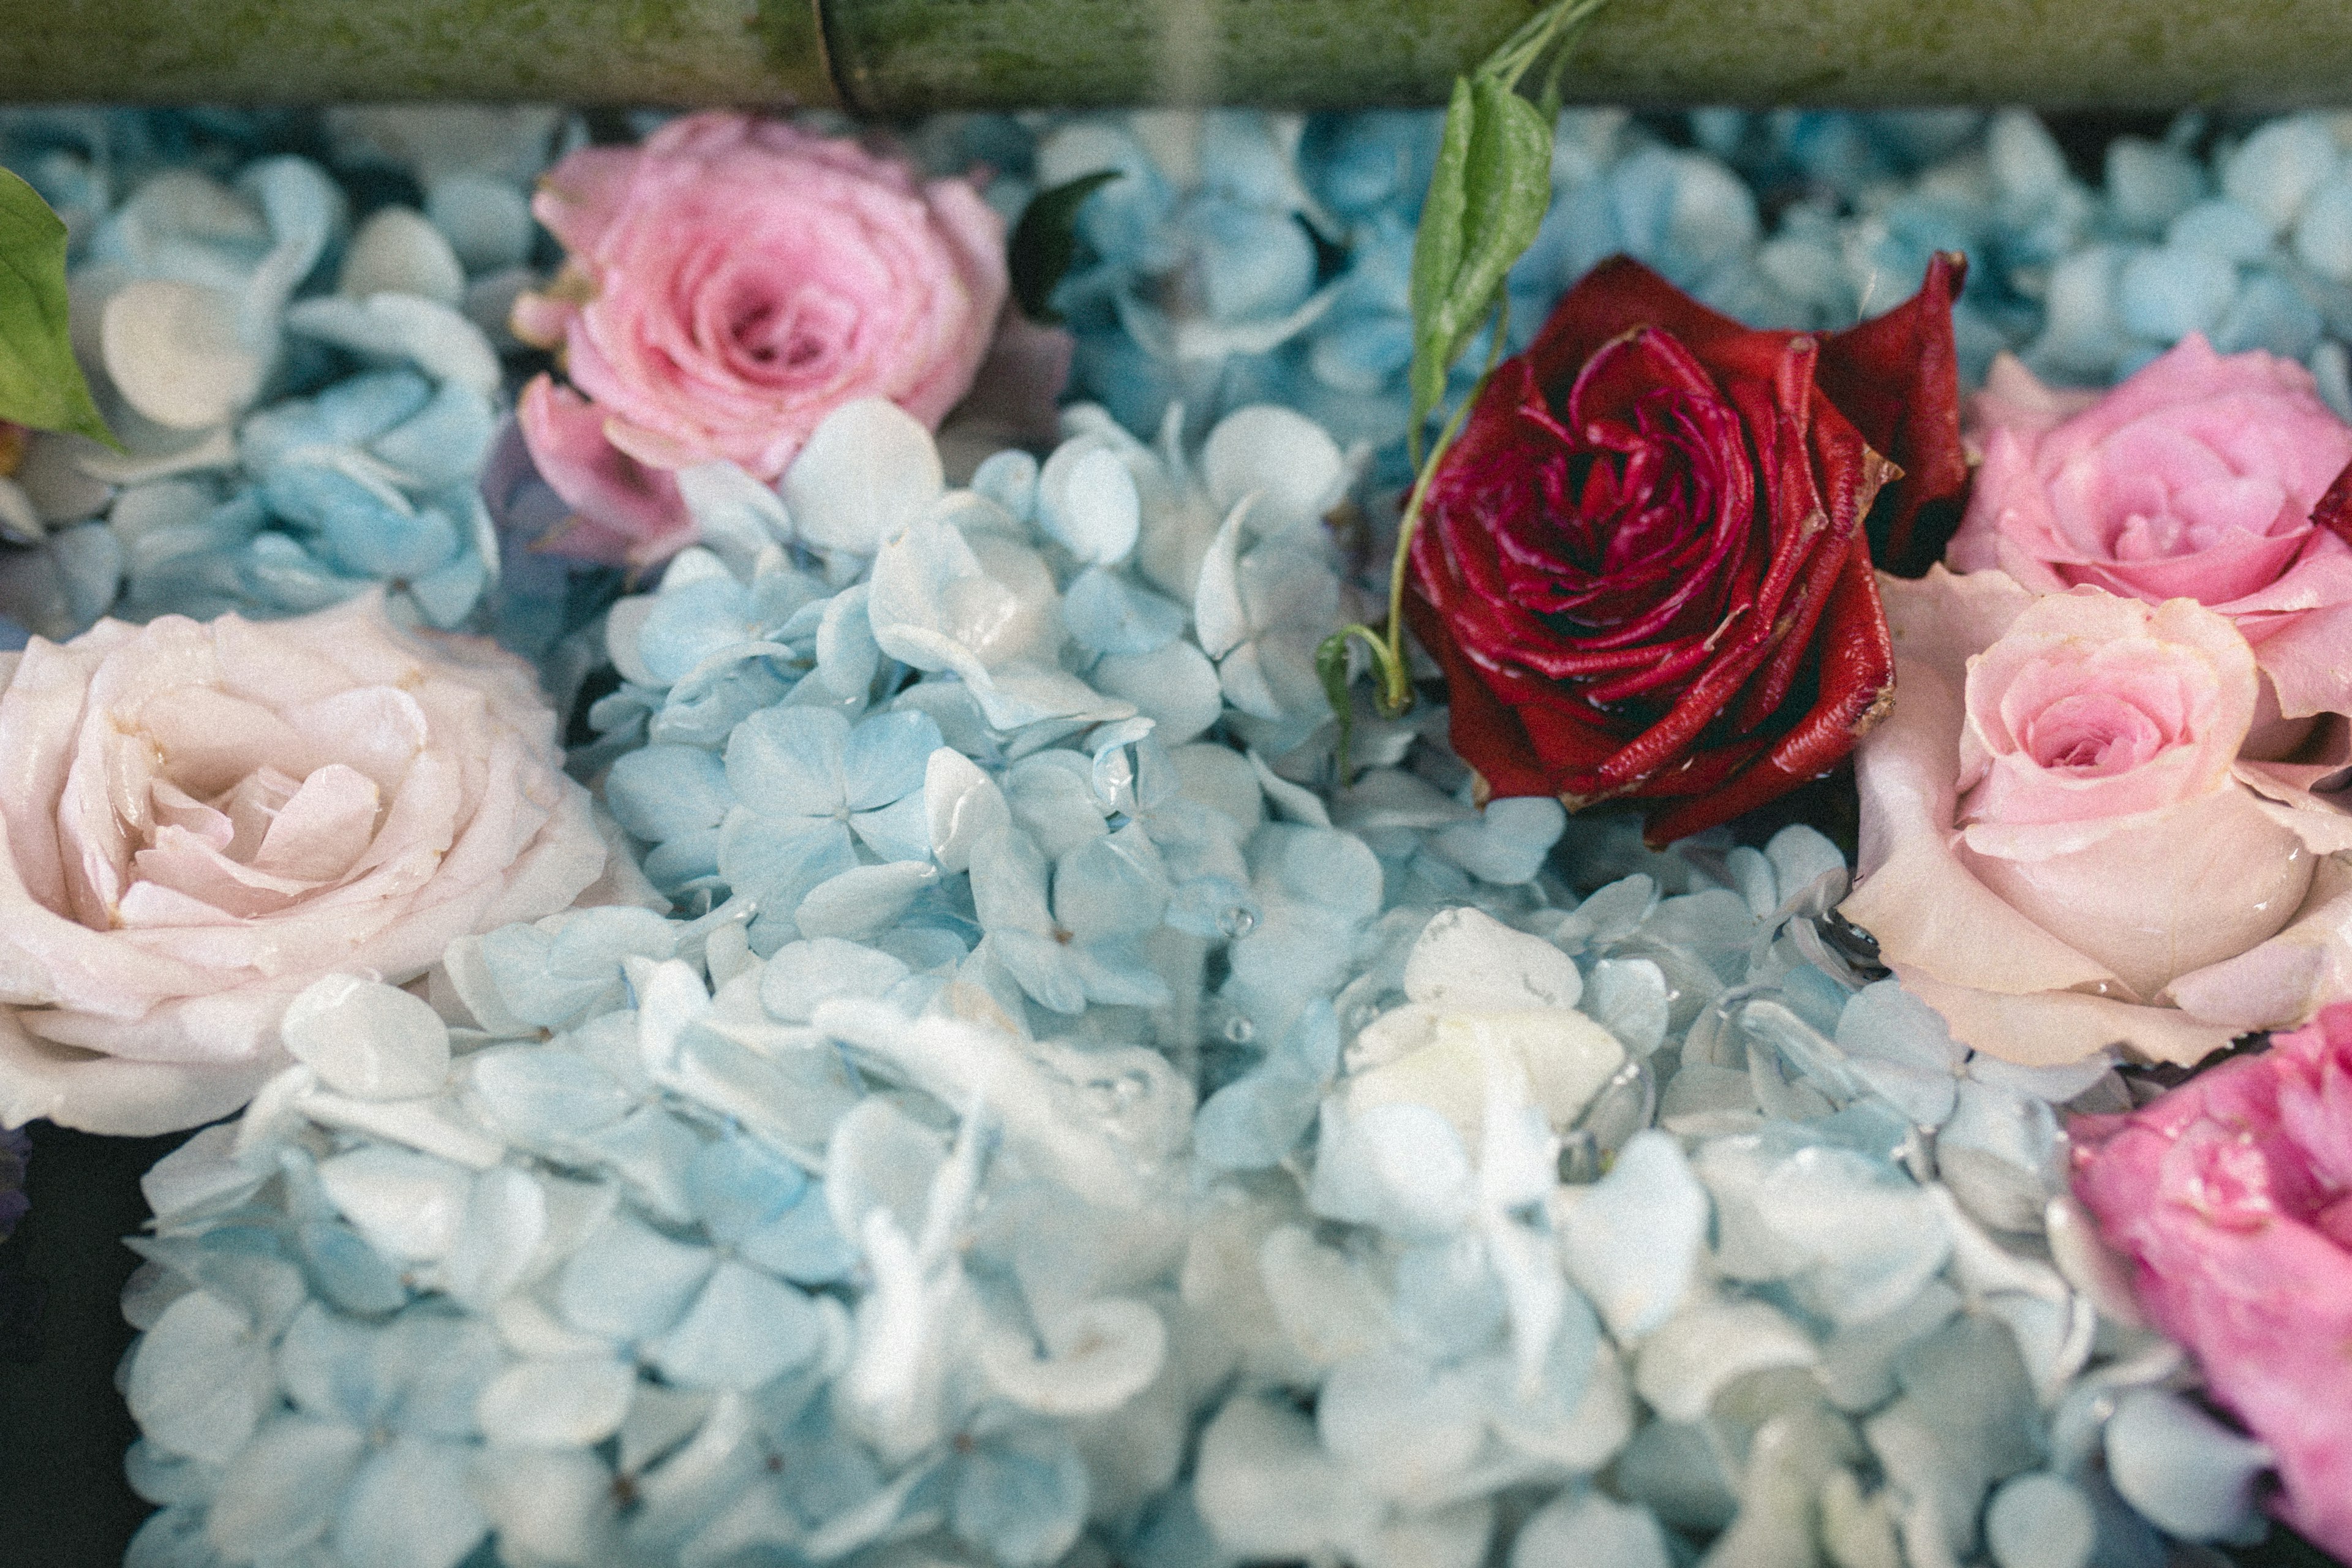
{"x":1094,"y":1359}
{"x":570,"y":1402}
{"x":743,"y":1329}
{"x":1287,"y":461}
{"x":200,"y":1380}
{"x":1632,"y":1240}
{"x":2191,"y":1475}
{"x":281,"y":1491}
{"x":1086,"y":500}
{"x":367,"y":1040}
{"x":1467,"y":959}
{"x":867,"y":470}
{"x":402,"y":328}
{"x":173,"y":350}
{"x":409,"y":1507}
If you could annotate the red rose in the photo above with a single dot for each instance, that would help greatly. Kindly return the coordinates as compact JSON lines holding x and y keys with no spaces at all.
{"x":1644,"y":564}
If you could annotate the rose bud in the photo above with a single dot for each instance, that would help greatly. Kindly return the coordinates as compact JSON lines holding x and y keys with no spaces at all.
{"x":1644,"y":565}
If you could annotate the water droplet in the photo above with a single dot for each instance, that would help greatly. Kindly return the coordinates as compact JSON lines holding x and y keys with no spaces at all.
{"x":1237,"y":921}
{"x":1239,"y":1030}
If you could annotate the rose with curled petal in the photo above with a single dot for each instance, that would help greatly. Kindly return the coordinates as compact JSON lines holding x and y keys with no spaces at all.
{"x":2203,"y":475}
{"x":1644,"y":564}
{"x":730,"y":283}
{"x":2065,"y":848}
{"x":2232,"y":1195}
{"x":202,"y":818}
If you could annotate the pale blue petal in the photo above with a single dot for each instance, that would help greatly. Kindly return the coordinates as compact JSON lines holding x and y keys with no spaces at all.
{"x":1254,"y":1121}
{"x":627,"y":1283}
{"x":862,"y":903}
{"x":1021,"y":1496}
{"x":885,"y":757}
{"x":409,"y":1507}
{"x":659,"y":793}
{"x":789,"y":761}
{"x":1632,"y":1240}
{"x":775,"y":860}
{"x":1010,"y":479}
{"x":804,"y":974}
{"x":543,"y":1092}
{"x":687,"y":625}
{"x":743,"y":1329}
{"x":1107,"y":614}
{"x":1112,"y":886}
{"x":282,"y":1490}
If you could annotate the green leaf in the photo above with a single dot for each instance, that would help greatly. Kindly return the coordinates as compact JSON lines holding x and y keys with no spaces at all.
{"x":1482,"y":212}
{"x":41,"y":383}
{"x":1437,"y":251}
{"x":1044,"y":240}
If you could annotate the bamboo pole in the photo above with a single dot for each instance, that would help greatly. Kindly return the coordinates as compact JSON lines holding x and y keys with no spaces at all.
{"x":897,"y":57}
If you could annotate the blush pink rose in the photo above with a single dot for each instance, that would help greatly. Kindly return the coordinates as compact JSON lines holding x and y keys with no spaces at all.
{"x":202,"y":818}
{"x":732,"y":282}
{"x":2195,"y":478}
{"x":2063,"y":848}
{"x":2232,"y":1197}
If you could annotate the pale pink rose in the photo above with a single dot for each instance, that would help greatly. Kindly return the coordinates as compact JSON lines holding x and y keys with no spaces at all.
{"x":732,"y":282}
{"x":202,"y":818}
{"x":2232,"y":1197}
{"x":2195,"y":478}
{"x":2063,"y":848}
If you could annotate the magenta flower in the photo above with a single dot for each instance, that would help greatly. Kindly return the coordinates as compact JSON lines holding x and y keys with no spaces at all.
{"x":2232,"y":1194}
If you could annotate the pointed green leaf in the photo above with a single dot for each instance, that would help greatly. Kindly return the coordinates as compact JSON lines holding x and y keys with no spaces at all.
{"x":1507,"y":189}
{"x":1046,"y":238}
{"x":1437,"y":253}
{"x":41,"y":383}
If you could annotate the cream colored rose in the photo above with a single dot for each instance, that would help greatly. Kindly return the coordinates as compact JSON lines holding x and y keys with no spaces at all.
{"x":202,"y":819}
{"x":2062,"y":849}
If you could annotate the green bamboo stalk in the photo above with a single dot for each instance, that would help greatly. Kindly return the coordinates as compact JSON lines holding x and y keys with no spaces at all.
{"x":901,"y":56}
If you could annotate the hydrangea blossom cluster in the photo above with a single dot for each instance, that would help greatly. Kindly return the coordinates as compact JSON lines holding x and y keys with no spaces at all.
{"x":1065,"y":1122}
{"x":306,"y":399}
{"x":1240,"y":257}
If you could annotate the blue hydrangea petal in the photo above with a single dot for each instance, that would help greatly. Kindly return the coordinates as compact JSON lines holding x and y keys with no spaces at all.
{"x":1107,"y":614}
{"x":790,"y":760}
{"x":659,"y":792}
{"x":743,"y":1329}
{"x":409,"y":1508}
{"x":628,"y":1283}
{"x":1021,"y":1496}
{"x":282,"y":1492}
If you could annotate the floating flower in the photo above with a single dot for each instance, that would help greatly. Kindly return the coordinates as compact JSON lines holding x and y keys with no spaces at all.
{"x":2229,"y":1196}
{"x":2063,"y":845}
{"x":1644,"y":565}
{"x":204,"y":818}
{"x":730,"y":282}
{"x":2204,"y":476}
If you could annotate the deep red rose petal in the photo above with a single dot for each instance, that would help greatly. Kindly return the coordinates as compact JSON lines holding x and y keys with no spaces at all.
{"x":1897,"y":377}
{"x":2334,"y":512}
{"x":1856,"y":685}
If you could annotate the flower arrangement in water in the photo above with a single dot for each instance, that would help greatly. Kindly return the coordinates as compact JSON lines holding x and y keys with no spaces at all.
{"x":1015,"y":1052}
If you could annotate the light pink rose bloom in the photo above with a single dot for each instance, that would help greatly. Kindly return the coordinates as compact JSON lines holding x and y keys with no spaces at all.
{"x":732,"y":282}
{"x":2232,"y":1196}
{"x":2063,"y":848}
{"x":2195,"y":478}
{"x":202,"y":818}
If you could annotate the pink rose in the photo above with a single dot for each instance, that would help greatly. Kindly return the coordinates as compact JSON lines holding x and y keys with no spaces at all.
{"x":2064,"y":849}
{"x":202,"y":819}
{"x":2232,"y":1194}
{"x":732,"y":282}
{"x":2195,"y":478}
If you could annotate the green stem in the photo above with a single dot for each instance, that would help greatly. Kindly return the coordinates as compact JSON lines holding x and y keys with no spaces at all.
{"x":1396,"y":692}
